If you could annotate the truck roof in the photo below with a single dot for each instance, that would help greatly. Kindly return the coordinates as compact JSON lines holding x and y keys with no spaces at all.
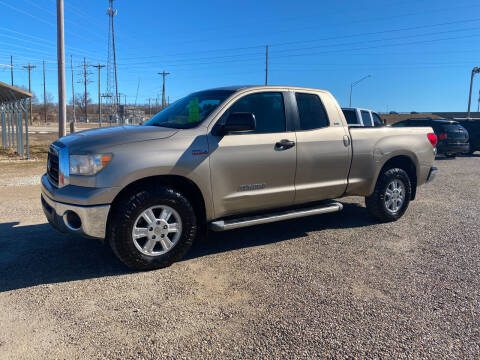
{"x":242,"y":87}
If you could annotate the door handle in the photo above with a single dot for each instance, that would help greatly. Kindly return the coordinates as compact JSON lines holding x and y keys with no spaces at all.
{"x":346,"y":140}
{"x":285,"y":144}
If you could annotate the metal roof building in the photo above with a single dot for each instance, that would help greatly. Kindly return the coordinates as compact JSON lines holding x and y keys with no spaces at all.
{"x":14,"y":119}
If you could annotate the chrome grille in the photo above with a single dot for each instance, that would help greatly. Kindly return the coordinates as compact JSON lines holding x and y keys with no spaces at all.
{"x":52,"y":165}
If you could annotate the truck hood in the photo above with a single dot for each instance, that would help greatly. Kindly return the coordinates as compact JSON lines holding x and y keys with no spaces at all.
{"x":85,"y":141}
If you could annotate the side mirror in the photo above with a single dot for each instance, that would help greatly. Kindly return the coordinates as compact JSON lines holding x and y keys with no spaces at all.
{"x":239,"y":122}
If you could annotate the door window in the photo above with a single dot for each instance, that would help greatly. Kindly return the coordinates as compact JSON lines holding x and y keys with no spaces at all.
{"x":367,"y":120}
{"x":311,"y":111}
{"x":268,"y":109}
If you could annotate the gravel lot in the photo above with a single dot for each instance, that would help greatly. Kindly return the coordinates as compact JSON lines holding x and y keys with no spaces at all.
{"x":335,"y":285}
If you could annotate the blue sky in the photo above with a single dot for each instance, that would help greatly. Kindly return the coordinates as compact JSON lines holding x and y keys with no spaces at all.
{"x":419,"y":53}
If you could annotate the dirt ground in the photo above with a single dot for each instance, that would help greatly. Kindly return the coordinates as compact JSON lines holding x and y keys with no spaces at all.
{"x":329,"y":286}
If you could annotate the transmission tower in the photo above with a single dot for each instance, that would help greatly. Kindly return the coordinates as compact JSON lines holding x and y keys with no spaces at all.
{"x":112,"y":80}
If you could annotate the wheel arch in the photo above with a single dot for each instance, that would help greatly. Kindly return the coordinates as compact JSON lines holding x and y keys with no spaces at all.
{"x":180,"y":183}
{"x":403,"y":162}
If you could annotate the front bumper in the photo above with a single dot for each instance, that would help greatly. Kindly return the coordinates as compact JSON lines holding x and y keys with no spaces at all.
{"x":93,"y":219}
{"x":432,"y":174}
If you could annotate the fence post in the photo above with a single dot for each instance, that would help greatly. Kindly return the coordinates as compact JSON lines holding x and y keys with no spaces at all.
{"x":4,"y":128}
{"x":21,"y":147}
{"x":26,"y":129}
{"x":12,"y":129}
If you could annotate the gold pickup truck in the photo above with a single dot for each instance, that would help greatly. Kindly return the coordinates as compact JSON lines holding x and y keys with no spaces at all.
{"x":223,"y":159}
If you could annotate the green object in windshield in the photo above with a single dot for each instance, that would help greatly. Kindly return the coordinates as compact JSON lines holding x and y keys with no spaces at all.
{"x":193,"y":111}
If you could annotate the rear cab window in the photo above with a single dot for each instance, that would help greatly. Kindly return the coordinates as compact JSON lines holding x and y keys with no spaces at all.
{"x":311,"y":112}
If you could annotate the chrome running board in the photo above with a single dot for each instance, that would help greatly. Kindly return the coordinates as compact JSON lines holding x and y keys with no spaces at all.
{"x":222,"y":225}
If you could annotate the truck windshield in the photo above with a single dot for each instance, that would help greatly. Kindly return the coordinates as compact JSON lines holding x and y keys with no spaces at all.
{"x":189,"y":111}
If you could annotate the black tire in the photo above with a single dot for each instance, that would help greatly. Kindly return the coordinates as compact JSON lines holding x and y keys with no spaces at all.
{"x":375,"y":203}
{"x":129,"y":208}
{"x":451,"y":156}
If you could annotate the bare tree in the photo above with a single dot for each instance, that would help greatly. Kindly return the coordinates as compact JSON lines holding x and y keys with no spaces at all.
{"x":80,"y":102}
{"x":34,"y":97}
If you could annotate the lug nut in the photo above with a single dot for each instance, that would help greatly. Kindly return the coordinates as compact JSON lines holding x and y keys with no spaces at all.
{"x":158,"y":222}
{"x":165,"y":226}
{"x":150,"y":229}
{"x":162,"y":236}
{"x":153,"y":236}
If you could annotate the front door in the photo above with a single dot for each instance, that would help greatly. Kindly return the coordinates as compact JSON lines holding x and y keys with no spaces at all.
{"x":252,"y":170}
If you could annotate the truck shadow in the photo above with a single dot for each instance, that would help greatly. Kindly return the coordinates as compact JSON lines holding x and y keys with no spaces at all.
{"x":352,"y":216}
{"x":34,"y":255}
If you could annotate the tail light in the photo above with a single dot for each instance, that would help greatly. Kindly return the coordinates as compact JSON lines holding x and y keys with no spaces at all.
{"x":432,"y":138}
{"x":442,"y":136}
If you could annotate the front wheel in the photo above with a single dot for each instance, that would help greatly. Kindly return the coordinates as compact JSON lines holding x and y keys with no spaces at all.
{"x":391,"y":196}
{"x":151,"y":228}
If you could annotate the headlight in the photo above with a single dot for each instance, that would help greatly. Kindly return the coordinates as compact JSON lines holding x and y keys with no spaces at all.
{"x":88,"y":164}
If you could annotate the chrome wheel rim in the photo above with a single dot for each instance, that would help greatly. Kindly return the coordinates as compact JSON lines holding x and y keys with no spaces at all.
{"x":394,"y":196}
{"x":157,"y":230}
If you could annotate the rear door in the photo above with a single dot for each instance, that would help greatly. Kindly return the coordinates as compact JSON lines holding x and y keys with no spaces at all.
{"x":252,"y":170}
{"x":323,"y":148}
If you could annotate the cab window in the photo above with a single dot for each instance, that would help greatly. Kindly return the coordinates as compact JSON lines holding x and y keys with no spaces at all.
{"x":376,"y":120}
{"x":311,"y":112}
{"x":351,"y":117}
{"x":367,"y":120}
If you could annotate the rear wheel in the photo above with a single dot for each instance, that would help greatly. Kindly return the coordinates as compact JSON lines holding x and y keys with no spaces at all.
{"x":391,"y":196}
{"x":152,"y":228}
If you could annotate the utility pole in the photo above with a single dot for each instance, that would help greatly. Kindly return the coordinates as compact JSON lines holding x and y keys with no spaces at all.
{"x":156,"y":104}
{"x":29,"y":68}
{"x":266,"y":65}
{"x":62,"y":105}
{"x":149,"y":107}
{"x":475,"y":70}
{"x":11,"y":67}
{"x":99,"y":67}
{"x":73,"y":90}
{"x":163,"y":73}
{"x":44,"y":94}
{"x":85,"y":81}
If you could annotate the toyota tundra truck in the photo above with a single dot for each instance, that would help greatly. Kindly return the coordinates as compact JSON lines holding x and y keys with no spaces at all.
{"x":224,"y":159}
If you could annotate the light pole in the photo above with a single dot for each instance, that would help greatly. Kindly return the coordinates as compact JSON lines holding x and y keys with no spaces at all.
{"x":475,"y":70}
{"x":355,"y":83}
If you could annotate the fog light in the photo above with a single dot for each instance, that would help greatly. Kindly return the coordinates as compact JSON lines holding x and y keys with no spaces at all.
{"x":73,"y":221}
